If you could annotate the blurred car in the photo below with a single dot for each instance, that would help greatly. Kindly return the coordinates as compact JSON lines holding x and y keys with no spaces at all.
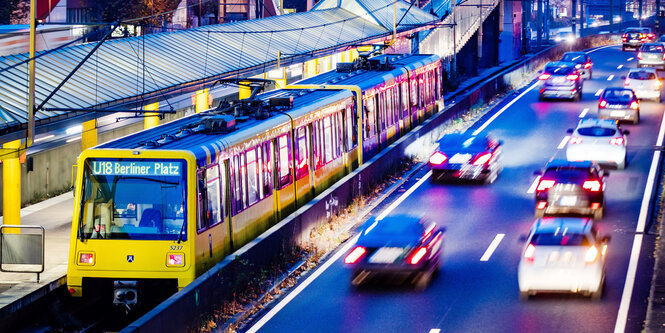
{"x":467,"y":156}
{"x":651,"y":55}
{"x":563,"y":254}
{"x":649,"y":36}
{"x":564,"y":36}
{"x":599,"y":140}
{"x":560,"y":80}
{"x":571,"y":188}
{"x":632,"y":39}
{"x":645,"y":82}
{"x":619,"y":104}
{"x":661,"y":39}
{"x":582,"y":62}
{"x":405,"y":246}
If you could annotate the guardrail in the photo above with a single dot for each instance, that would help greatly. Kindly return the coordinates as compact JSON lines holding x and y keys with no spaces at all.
{"x":183,"y":310}
{"x":21,"y":251}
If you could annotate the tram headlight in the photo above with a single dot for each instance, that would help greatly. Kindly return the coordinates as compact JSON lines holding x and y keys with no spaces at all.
{"x":86,"y":258}
{"x":175,"y":259}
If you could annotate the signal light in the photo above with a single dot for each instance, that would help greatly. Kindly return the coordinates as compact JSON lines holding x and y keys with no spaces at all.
{"x":591,"y":255}
{"x":572,"y":77}
{"x":437,"y":158}
{"x":356,"y":254}
{"x":87,"y":258}
{"x":591,"y":185}
{"x":417,"y":256}
{"x":602,"y":104}
{"x":175,"y":259}
{"x":544,"y":76}
{"x":529,"y":252}
{"x":616,"y":141}
{"x":483,"y":159}
{"x":634,"y":105}
{"x":545,"y":184}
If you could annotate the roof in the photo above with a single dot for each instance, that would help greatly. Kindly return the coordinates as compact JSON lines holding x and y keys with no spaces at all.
{"x":118,"y":74}
{"x":465,"y":140}
{"x":381,"y":12}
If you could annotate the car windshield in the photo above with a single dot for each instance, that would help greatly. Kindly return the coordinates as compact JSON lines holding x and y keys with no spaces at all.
{"x":652,"y":48}
{"x":133,"y":199}
{"x":618,"y":96}
{"x":558,"y":70}
{"x":560,"y":236}
{"x":642,"y":75}
{"x":596,"y":131}
{"x":633,"y":34}
{"x":572,"y":57}
{"x":464,"y":142}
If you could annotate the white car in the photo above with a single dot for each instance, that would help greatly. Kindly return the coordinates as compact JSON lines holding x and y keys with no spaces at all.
{"x":599,"y":140}
{"x":563,"y":254}
{"x":645,"y":82}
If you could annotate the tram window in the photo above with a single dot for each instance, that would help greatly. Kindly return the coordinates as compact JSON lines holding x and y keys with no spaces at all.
{"x":389,"y":107}
{"x":267,"y":169}
{"x":327,"y":130}
{"x":252,"y":177}
{"x":284,"y":160}
{"x":213,"y":210}
{"x":339,"y":129}
{"x":350,"y":128}
{"x":396,"y":103}
{"x":382,"y":110}
{"x":301,"y":153}
{"x":239,"y":183}
{"x":201,"y":221}
{"x":405,"y":96}
{"x":318,"y":145}
{"x":369,"y":118}
{"x":414,"y":91}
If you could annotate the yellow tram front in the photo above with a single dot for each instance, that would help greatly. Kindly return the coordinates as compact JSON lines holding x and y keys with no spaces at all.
{"x":130,"y":237}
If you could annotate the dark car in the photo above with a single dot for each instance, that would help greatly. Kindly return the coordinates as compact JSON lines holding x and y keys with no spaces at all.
{"x":661,"y":39}
{"x":632,"y":39}
{"x":560,"y":80}
{"x":582,"y":62}
{"x":402,"y":246}
{"x":619,"y":104}
{"x":567,"y":187}
{"x":467,"y":156}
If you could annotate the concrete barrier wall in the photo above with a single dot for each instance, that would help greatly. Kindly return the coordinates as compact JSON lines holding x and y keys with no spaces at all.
{"x":183,"y":310}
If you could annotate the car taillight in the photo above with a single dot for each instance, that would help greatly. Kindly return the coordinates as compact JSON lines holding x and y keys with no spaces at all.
{"x":634,"y":105}
{"x":482,"y":159}
{"x":591,"y":255}
{"x":595,"y":205}
{"x":624,"y":38}
{"x":639,"y":55}
{"x":356,"y":254}
{"x":657,"y":84}
{"x":529,"y":252}
{"x":544,"y":76}
{"x":572,"y":77}
{"x":591,"y":185}
{"x":175,"y":259}
{"x":87,"y":258}
{"x":602,"y":104}
{"x":428,"y":232}
{"x":545,"y":184}
{"x":575,"y":140}
{"x":616,"y":141}
{"x":627,"y":82}
{"x":587,"y":65}
{"x":417,"y":255}
{"x":541,"y":205}
{"x":437,"y":158}
{"x":651,"y":35}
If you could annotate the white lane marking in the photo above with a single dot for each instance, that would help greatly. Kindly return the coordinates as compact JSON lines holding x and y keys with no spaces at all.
{"x":600,"y":91}
{"x":435,"y":330}
{"x":609,"y":78}
{"x":622,"y":315}
{"x":532,"y":189}
{"x":630,"y":59}
{"x":620,"y":67}
{"x":403,"y":197}
{"x":563,"y":142}
{"x":259,"y":324}
{"x":584,"y":112}
{"x":495,"y":243}
{"x":489,"y":121}
{"x":600,"y":48}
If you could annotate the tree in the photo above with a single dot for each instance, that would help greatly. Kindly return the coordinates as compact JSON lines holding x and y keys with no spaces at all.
{"x":106,"y":11}
{"x":14,"y":11}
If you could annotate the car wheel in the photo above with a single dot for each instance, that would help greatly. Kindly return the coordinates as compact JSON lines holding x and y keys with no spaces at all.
{"x":423,"y":280}
{"x":598,"y":214}
{"x":590,"y":75}
{"x":598,"y":294}
{"x":540,"y":97}
{"x":621,"y":165}
{"x":538,"y":213}
{"x":524,"y":295}
{"x":492,"y":177}
{"x":637,"y":119}
{"x":623,"y":48}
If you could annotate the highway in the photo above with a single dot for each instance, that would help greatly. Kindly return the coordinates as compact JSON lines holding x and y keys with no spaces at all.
{"x":474,"y":295}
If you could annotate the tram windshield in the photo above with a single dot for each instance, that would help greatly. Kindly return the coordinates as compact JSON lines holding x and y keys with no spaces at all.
{"x":133,"y":199}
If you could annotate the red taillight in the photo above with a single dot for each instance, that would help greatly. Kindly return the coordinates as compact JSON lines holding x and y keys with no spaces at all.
{"x":482,"y":159}
{"x":591,"y":185}
{"x":529,"y":252}
{"x":544,"y":76}
{"x":639,"y":55}
{"x":545,"y":184}
{"x":616,"y":141}
{"x":428,"y":232}
{"x":634,"y":105}
{"x":541,"y":205}
{"x":602,"y":104}
{"x":595,"y":205}
{"x":591,"y":255}
{"x":87,"y":258}
{"x":587,"y":65}
{"x":417,"y":255}
{"x":575,"y":140}
{"x":437,"y":158}
{"x":356,"y":254}
{"x":651,"y":35}
{"x":627,"y":82}
{"x":72,"y":291}
{"x":572,"y":77}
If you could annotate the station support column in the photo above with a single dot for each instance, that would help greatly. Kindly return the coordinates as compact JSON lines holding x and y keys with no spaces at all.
{"x":201,"y":100}
{"x":89,"y":134}
{"x":11,"y":186}
{"x":151,"y":118}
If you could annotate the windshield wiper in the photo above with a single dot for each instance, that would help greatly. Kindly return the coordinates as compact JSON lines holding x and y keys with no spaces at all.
{"x":182,"y":230}
{"x":81,"y":233}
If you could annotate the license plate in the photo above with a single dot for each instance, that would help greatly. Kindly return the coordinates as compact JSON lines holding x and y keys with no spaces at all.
{"x":558,"y":80}
{"x":617,"y":113}
{"x":459,"y":158}
{"x":653,"y":56}
{"x":386,"y":255}
{"x":634,"y":40}
{"x":568,"y":200}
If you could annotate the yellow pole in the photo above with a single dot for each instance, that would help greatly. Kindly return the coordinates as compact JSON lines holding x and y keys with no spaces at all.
{"x":89,"y":134}
{"x":244,"y":91}
{"x":11,"y":186}
{"x":31,"y":75}
{"x":202,"y":100}
{"x":151,"y":118}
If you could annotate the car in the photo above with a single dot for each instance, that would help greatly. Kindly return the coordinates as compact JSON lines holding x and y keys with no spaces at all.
{"x":661,"y":39}
{"x":619,"y":104}
{"x":563,"y":255}
{"x":651,"y":55}
{"x":404,"y":246}
{"x":582,"y":62}
{"x":560,"y":80}
{"x":467,"y":156}
{"x":567,"y":187}
{"x":599,"y":140}
{"x":632,"y":39}
{"x":649,"y":36}
{"x":645,"y":82}
{"x":564,"y":36}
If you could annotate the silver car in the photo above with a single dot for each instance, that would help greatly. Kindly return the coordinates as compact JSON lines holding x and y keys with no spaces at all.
{"x":651,"y":55}
{"x":645,"y":83}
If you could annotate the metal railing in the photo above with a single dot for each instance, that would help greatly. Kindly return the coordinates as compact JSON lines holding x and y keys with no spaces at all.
{"x":22,"y":249}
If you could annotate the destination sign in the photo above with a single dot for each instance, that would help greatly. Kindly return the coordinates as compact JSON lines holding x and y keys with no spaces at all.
{"x":138,"y":168}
